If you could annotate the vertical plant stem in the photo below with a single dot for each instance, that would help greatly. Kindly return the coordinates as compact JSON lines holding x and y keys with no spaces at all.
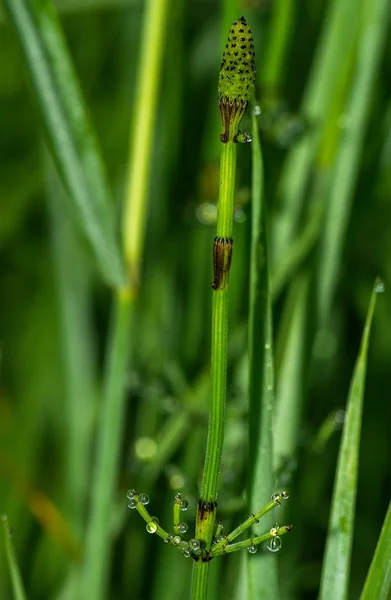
{"x":236,"y":83}
{"x":206,"y":513}
{"x":219,"y":333}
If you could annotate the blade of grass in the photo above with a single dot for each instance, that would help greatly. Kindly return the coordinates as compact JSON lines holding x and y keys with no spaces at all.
{"x":262,"y":570}
{"x":75,"y":6}
{"x":337,"y":37}
{"x":374,"y":21}
{"x":70,"y":135}
{"x":141,"y":134}
{"x":290,"y":378}
{"x":336,"y":565}
{"x":378,"y":581}
{"x":73,"y":279}
{"x":98,"y":540}
{"x":16,"y":579}
{"x":96,"y":567}
{"x":281,"y":30}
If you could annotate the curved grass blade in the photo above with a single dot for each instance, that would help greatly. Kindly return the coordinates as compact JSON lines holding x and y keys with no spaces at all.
{"x":336,"y":566}
{"x":13,"y":567}
{"x":70,"y":135}
{"x":262,"y":570}
{"x":378,"y":581}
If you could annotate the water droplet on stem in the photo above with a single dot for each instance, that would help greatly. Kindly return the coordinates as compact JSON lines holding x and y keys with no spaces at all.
{"x":379,"y":286}
{"x":151,"y":527}
{"x":143,"y":499}
{"x":274,"y":544}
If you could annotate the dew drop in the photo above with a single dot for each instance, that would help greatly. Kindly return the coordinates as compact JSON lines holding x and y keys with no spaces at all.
{"x":284,"y":495}
{"x":257,"y":110}
{"x":277,"y":499}
{"x":182,"y":527}
{"x":155,"y":520}
{"x":379,"y":286}
{"x":252,"y":549}
{"x":176,"y":540}
{"x":244,"y":138}
{"x":132,"y":503}
{"x":151,"y":527}
{"x":274,"y":544}
{"x":178,"y":496}
{"x":184,"y":505}
{"x":143,"y":499}
{"x":186,"y":552}
{"x":194,"y":545}
{"x":167,"y":539}
{"x":267,"y":346}
{"x":130,"y":494}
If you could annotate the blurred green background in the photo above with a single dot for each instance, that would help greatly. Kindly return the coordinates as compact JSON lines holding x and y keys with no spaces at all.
{"x":330,"y":236}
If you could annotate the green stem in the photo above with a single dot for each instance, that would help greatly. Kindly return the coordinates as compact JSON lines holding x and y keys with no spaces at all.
{"x":219,"y":336}
{"x":206,"y":514}
{"x":199,"y":580}
{"x":227,"y":190}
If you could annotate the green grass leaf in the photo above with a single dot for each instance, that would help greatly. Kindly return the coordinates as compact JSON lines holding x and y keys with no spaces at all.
{"x":62,"y":111}
{"x":378,"y":582}
{"x":336,"y":566}
{"x":262,"y":570}
{"x":16,"y":579}
{"x":290,"y":392}
{"x":374,"y":28}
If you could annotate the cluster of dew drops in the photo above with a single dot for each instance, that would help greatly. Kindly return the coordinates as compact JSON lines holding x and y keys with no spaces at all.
{"x":189,"y":548}
{"x":194,"y":546}
{"x":275,"y":543}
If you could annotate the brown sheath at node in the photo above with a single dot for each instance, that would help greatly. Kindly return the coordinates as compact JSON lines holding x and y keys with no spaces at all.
{"x":222,"y":255}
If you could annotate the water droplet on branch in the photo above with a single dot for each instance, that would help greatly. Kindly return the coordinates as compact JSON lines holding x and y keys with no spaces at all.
{"x":274,"y":544}
{"x":151,"y":527}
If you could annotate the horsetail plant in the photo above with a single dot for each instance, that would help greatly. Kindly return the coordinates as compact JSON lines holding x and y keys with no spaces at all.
{"x":236,"y":85}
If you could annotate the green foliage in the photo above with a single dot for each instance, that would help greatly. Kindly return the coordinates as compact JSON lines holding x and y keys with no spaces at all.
{"x":89,"y":410}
